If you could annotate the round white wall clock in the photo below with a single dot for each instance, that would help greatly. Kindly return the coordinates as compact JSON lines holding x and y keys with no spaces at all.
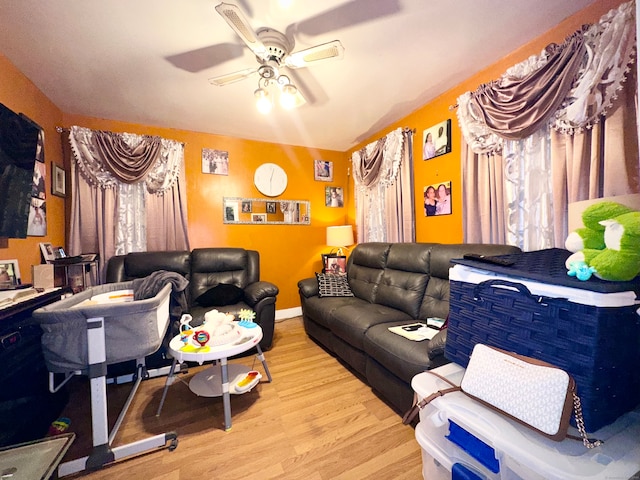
{"x":270,"y":179}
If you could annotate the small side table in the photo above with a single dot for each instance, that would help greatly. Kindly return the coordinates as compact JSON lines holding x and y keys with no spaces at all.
{"x":214,"y":381}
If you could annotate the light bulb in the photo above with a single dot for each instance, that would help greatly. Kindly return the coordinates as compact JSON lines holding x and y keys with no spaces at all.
{"x":288,"y":97}
{"x":263,"y":102}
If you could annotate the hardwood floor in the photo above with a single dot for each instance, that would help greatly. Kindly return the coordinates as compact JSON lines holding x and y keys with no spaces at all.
{"x":315,"y":421}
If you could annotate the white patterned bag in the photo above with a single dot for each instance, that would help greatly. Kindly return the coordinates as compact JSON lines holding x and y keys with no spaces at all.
{"x":530,"y":391}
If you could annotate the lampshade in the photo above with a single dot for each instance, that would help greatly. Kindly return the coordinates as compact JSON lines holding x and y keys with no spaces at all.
{"x":340,"y":236}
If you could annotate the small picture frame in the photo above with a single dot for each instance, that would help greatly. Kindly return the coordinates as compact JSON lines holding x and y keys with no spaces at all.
{"x":259,"y":217}
{"x":246,"y":206}
{"x":215,"y":162}
{"x":437,"y":199}
{"x":436,"y":140}
{"x":335,"y":264}
{"x":323,"y":171}
{"x":333,"y":197}
{"x":58,"y":181}
{"x":48,"y":252}
{"x":231,"y":212}
{"x":9,"y":273}
{"x":272,"y":207}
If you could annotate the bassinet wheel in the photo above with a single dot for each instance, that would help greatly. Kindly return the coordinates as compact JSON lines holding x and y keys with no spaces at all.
{"x":173,"y":445}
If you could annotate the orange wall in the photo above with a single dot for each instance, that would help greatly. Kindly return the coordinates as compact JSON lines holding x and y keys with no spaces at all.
{"x":22,"y":96}
{"x":287,"y":252}
{"x":448,"y":228}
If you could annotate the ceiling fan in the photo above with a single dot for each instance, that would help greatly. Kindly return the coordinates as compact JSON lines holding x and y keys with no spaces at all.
{"x":274,"y":52}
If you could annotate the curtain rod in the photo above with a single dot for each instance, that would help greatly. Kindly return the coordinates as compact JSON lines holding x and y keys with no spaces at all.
{"x":60,"y":129}
{"x":453,"y":107}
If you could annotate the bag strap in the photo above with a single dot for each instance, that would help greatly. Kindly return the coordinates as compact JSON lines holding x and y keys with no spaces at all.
{"x":408,"y":417}
{"x":587,"y":442}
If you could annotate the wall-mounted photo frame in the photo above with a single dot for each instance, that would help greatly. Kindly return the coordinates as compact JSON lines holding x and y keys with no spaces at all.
{"x":58,"y":181}
{"x":323,"y":171}
{"x":246,"y":206}
{"x":37,"y":223}
{"x":436,"y":140}
{"x":437,"y":199}
{"x":333,"y":197}
{"x":215,"y":162}
{"x":231,"y":212}
{"x":335,"y":264}
{"x":272,"y":207}
{"x":9,"y":273}
{"x":259,"y":217}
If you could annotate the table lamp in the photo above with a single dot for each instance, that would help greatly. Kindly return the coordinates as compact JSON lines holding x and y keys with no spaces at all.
{"x":340,"y":237}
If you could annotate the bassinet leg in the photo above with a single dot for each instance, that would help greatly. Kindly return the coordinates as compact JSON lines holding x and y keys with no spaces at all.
{"x":102,"y":453}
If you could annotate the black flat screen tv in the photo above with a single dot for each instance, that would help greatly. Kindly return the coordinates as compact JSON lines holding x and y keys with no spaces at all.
{"x":18,"y":144}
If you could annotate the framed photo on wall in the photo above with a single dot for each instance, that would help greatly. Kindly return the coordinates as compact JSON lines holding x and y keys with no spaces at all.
{"x":259,"y":217}
{"x":215,"y":161}
{"x":323,"y":171}
{"x":436,"y":140}
{"x":437,"y":199}
{"x":333,"y":197}
{"x":58,"y":181}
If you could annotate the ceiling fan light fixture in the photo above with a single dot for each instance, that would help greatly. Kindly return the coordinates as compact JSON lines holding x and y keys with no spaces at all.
{"x":263,"y":101}
{"x":288,"y":96}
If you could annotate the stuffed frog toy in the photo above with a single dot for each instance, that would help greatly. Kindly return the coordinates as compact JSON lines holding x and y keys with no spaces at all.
{"x":608,"y":244}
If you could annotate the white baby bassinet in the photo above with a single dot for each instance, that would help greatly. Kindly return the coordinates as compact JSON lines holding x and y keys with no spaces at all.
{"x":101,"y":326}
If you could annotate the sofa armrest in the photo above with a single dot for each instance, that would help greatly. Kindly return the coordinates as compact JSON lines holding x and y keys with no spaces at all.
{"x":254,"y":292}
{"x":308,"y":287}
{"x":436,"y":345}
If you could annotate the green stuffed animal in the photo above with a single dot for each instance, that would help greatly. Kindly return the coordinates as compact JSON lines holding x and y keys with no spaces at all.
{"x":610,"y":242}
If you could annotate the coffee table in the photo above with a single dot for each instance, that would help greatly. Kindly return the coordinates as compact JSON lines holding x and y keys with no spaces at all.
{"x":214,"y":381}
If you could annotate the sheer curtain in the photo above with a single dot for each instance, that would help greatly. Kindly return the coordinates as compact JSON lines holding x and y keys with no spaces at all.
{"x":383,"y":175}
{"x":127,"y":193}
{"x":554,"y":129}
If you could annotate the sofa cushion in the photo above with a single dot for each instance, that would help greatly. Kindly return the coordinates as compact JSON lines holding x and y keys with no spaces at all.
{"x":333,"y":285}
{"x":351,"y":321}
{"x":365,"y":268}
{"x":321,"y":309}
{"x":220,"y":295}
{"x":403,"y":357}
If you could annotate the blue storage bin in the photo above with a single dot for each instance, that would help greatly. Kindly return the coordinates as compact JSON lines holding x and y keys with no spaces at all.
{"x":590,"y":329}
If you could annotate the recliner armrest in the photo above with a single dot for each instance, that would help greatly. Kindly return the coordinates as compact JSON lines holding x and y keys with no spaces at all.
{"x":254,"y":292}
{"x":308,"y":287}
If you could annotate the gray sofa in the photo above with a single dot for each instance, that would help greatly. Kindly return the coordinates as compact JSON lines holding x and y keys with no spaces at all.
{"x":393,"y":284}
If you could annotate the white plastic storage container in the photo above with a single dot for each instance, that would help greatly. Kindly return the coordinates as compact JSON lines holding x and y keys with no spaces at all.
{"x":459,"y":433}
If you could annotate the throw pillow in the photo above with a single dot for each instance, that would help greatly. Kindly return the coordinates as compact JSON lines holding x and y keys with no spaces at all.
{"x":220,"y":295}
{"x":333,"y":285}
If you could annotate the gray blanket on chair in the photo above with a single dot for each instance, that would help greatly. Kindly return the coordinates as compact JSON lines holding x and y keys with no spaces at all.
{"x":150,"y":285}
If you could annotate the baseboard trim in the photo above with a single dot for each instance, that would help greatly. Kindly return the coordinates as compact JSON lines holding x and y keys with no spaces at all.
{"x":288,"y":313}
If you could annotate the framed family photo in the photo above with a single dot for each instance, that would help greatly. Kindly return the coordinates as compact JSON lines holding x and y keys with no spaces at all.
{"x":436,"y":140}
{"x":437,"y":199}
{"x":335,"y":264}
{"x":215,"y":162}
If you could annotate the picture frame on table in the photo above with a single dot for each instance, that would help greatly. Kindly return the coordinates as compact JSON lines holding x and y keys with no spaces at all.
{"x":335,"y":264}
{"x":58,"y":181}
{"x":9,"y":273}
{"x":48,"y":252}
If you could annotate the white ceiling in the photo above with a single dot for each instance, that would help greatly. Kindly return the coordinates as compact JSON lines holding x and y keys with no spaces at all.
{"x":149,"y":61}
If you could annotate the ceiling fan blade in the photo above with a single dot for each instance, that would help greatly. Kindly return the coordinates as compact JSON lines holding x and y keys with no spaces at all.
{"x":239,"y":23}
{"x":223,"y":80}
{"x":325,"y":51}
{"x":347,"y":15}
{"x":206,"y":57}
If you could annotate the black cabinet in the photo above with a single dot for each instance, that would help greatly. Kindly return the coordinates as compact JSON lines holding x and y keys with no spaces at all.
{"x":27,"y":408}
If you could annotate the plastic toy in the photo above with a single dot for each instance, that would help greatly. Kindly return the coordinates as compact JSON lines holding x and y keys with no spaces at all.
{"x":246,"y":381}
